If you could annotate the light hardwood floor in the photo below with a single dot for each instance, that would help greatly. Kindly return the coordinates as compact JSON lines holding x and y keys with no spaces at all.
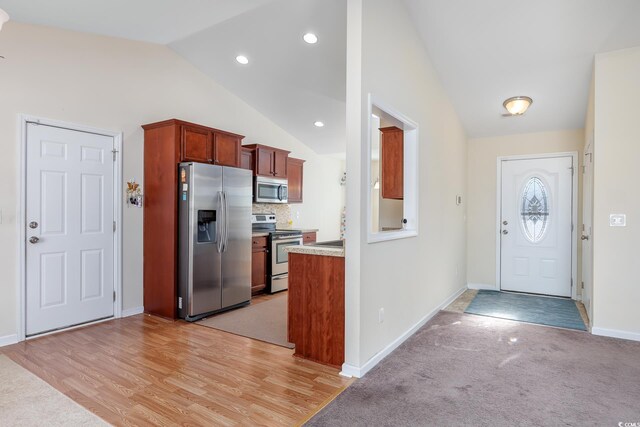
{"x":144,"y":370}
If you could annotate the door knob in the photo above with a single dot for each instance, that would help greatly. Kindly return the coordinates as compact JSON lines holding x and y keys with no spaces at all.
{"x":584,"y":237}
{"x":34,"y":239}
{"x":33,"y":224}
{"x":505,"y":222}
{"x":505,"y":232}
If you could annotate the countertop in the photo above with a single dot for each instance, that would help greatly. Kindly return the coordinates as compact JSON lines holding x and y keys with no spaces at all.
{"x":303,"y":230}
{"x":315,"y":250}
{"x":259,"y":234}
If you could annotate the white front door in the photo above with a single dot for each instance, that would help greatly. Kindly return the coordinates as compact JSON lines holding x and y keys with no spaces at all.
{"x":70,"y":238}
{"x":586,"y":235}
{"x":535,"y":239}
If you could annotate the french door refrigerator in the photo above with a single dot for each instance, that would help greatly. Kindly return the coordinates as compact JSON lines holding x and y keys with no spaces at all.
{"x":214,"y":239}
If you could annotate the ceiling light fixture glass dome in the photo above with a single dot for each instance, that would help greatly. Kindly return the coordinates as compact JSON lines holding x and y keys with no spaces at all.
{"x":319,"y":124}
{"x":517,"y":105}
{"x":242,"y":59}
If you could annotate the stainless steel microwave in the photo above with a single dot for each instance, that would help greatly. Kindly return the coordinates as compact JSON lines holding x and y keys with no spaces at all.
{"x":270,"y":190}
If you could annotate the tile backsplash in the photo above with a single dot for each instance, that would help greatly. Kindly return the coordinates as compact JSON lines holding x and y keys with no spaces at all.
{"x":282,"y":212}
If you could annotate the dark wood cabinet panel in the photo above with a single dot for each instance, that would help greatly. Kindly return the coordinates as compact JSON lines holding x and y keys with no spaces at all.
{"x":295,"y":169}
{"x":316,"y":307}
{"x":264,"y":161}
{"x":166,"y":144}
{"x":392,"y":163}
{"x":269,"y":161}
{"x":246,"y":159}
{"x":196,"y":144}
{"x":280,"y":163}
{"x":226,"y":149}
{"x":258,"y":265}
{"x":308,"y":238}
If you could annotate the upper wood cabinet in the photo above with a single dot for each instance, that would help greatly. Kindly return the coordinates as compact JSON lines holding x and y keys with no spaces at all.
{"x":246,"y":159}
{"x":196,"y":144}
{"x":227,"y":149}
{"x":208,"y":145}
{"x":392,"y":163}
{"x":269,"y":161}
{"x":294,"y":176}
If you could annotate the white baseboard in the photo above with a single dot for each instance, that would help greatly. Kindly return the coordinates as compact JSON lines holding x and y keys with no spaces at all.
{"x":359,"y":372}
{"x":132,"y":311}
{"x":482,"y":286}
{"x":8,"y":340}
{"x":614,"y":333}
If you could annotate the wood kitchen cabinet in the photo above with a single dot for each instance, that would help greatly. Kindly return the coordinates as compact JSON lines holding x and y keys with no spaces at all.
{"x":392,"y":163}
{"x":165,"y":145}
{"x":269,"y":161}
{"x":295,"y":169}
{"x":316,"y":307}
{"x":207,"y":145}
{"x":246,"y":159}
{"x":308,"y":238}
{"x":259,"y":256}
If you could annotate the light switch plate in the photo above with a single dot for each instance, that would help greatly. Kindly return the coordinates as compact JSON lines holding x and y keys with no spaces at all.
{"x":617,"y":220}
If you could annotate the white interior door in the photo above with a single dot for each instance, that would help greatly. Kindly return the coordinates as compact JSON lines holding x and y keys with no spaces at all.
{"x":70,"y":238}
{"x":536,"y":213}
{"x":587,"y":223}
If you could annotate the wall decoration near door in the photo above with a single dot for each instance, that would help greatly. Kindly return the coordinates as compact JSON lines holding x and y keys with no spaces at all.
{"x":536,"y":225}
{"x":70,"y":233}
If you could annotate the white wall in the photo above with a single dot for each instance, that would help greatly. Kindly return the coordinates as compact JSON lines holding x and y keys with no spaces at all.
{"x":409,"y":278}
{"x":616,"y":283}
{"x":119,"y":85}
{"x":481,"y":189}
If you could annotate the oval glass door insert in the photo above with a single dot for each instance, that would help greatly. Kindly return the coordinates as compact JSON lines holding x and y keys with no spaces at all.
{"x":535,"y":209}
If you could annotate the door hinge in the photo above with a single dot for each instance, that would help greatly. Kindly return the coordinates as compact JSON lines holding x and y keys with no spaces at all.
{"x":114,"y":296}
{"x":114,"y":226}
{"x":582,"y":285}
{"x":114,"y":152}
{"x":572,"y":170}
{"x":572,"y":283}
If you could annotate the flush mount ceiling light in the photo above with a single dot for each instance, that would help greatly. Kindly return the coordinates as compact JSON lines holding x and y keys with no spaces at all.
{"x":517,"y":105}
{"x":318,"y":124}
{"x":310,"y":38}
{"x":4,"y":17}
{"x":242,"y":59}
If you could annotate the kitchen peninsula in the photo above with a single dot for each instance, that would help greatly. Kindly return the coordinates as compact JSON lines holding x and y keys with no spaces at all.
{"x":316,"y":301}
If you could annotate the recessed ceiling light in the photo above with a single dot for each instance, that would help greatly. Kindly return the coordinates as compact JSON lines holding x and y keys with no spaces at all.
{"x":319,"y":124}
{"x":242,"y":59}
{"x":310,"y":38}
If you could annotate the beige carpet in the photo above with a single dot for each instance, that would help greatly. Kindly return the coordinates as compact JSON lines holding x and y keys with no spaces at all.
{"x":266,"y":321}
{"x":26,"y":400}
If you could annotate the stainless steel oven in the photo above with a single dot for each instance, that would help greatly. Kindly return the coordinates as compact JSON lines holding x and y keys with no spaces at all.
{"x":280,"y":258}
{"x":270,"y":190}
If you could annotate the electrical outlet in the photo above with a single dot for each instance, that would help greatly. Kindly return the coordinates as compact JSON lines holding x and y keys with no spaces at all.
{"x":381,"y":315}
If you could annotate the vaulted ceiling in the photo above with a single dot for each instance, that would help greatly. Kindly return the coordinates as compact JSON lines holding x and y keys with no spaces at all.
{"x":484,"y":52}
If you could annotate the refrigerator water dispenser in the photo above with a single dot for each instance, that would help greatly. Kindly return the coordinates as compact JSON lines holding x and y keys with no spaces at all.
{"x":206,"y":226}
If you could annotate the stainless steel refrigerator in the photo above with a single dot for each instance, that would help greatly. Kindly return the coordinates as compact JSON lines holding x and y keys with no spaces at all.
{"x":214,"y":235}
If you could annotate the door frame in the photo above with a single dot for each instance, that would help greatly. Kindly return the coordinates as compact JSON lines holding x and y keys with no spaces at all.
{"x":23,"y":120}
{"x":574,"y":213}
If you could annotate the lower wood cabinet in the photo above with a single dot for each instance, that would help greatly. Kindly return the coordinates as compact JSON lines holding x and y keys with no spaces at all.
{"x":308,"y":238}
{"x":259,"y":257}
{"x":316,"y":307}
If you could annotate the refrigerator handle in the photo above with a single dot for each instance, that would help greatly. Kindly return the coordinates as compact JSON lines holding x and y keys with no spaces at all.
{"x":226,"y":222}
{"x":219,"y":224}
